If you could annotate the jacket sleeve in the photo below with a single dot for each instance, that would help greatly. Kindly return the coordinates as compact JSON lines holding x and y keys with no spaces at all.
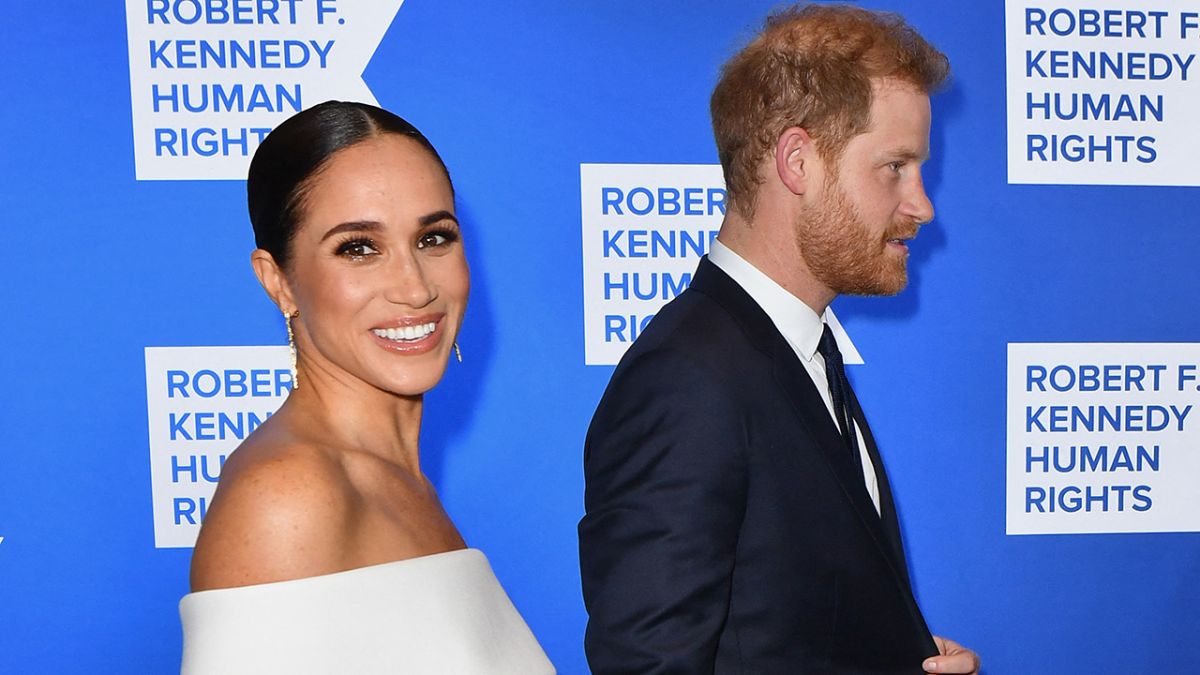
{"x":664,"y":464}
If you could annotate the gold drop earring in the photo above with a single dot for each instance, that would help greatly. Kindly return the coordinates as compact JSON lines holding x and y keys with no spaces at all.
{"x":287,"y":319}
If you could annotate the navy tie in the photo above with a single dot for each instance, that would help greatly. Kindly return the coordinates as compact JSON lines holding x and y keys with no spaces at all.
{"x":839,"y":388}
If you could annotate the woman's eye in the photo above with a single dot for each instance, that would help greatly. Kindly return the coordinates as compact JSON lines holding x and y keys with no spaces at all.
{"x":435,"y":239}
{"x":356,"y":249}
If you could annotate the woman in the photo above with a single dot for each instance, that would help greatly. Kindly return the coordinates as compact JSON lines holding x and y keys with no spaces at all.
{"x":326,"y":548}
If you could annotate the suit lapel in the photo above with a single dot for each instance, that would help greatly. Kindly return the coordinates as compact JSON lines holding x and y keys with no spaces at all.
{"x":810,"y":409}
{"x":887,"y":506}
{"x":887,"y":513}
{"x":806,"y":401}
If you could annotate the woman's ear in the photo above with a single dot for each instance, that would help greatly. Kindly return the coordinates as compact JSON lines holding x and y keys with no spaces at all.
{"x":273,"y":281}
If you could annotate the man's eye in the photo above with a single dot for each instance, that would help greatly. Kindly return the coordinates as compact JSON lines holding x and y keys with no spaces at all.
{"x":357,"y":248}
{"x":895,"y":166}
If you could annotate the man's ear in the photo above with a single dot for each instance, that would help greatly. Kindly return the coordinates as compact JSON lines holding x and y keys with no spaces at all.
{"x":795,"y":157}
{"x":273,"y":281}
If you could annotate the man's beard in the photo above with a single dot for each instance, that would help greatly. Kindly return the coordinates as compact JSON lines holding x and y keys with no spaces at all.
{"x":844,"y":255}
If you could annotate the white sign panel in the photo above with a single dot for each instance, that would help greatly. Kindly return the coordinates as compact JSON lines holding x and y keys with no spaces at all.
{"x":645,"y":228}
{"x":1103,"y":438}
{"x":210,"y":78}
{"x":1103,"y":92}
{"x":202,"y":402}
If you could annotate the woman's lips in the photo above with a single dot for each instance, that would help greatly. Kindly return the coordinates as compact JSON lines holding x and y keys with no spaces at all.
{"x":409,"y":335}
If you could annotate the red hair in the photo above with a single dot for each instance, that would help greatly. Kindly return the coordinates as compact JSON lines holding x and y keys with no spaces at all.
{"x":811,"y":67}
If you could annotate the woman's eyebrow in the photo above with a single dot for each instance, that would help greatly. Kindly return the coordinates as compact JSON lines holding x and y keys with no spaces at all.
{"x":353,"y":226}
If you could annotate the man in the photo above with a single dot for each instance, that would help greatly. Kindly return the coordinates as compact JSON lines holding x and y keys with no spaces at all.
{"x":739,"y":518}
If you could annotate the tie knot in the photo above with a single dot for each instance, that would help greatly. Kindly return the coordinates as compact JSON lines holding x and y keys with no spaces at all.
{"x":828,"y":346}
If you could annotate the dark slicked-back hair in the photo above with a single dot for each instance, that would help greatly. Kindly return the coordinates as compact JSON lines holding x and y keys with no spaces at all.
{"x":295,"y":152}
{"x":811,"y":67}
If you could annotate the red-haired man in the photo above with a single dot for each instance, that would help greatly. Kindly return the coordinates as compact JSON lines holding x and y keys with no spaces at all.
{"x":739,"y":518}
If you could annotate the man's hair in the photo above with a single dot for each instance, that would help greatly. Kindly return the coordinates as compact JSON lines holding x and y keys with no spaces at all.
{"x":811,"y":67}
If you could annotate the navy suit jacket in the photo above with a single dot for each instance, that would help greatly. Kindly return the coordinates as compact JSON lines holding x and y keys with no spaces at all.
{"x":728,"y":528}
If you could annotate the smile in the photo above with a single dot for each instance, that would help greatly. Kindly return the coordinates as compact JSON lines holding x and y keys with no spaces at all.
{"x":406,"y":333}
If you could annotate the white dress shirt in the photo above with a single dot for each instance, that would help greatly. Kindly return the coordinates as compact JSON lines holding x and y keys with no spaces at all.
{"x":802,"y":329}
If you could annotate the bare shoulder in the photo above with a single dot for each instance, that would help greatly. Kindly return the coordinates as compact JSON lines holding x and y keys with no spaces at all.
{"x":280,"y":512}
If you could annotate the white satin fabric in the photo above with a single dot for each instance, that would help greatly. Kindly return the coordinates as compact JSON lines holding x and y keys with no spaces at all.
{"x":443,"y":613}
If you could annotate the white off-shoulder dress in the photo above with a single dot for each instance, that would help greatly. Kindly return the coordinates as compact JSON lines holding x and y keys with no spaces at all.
{"x":442,"y":613}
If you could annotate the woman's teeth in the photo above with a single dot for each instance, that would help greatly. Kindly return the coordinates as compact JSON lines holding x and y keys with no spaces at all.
{"x":407,"y":333}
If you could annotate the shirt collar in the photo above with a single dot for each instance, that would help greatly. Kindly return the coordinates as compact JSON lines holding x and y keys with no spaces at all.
{"x":795,"y":320}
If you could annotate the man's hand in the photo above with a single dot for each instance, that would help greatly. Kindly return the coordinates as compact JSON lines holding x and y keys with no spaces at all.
{"x":954,"y":658}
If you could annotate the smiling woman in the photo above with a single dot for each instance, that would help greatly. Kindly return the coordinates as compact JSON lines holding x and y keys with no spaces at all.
{"x":326,"y":548}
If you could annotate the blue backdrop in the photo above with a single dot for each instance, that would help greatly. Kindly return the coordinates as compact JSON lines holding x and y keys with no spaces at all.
{"x":516,"y":95}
